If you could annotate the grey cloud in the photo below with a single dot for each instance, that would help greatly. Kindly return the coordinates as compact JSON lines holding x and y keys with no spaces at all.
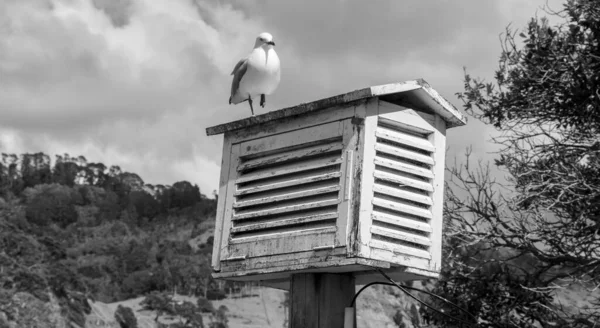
{"x":118,"y":11}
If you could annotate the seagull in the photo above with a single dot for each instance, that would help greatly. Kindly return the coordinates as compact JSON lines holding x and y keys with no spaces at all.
{"x":257,"y":74}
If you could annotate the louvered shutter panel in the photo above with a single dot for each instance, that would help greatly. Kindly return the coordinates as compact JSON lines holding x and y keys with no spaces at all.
{"x":287,"y":192}
{"x":403,"y":189}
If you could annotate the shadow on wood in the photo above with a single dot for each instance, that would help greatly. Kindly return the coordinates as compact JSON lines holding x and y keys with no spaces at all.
{"x":318,"y":300}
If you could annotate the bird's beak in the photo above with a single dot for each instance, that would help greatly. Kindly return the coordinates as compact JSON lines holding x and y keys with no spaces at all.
{"x":271,"y":43}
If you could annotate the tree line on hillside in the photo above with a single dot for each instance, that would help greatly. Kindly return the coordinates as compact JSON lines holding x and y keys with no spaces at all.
{"x":18,"y":172}
{"x":75,"y":230}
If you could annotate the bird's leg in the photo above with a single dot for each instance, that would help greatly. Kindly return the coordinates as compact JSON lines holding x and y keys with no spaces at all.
{"x":250,"y":102}
{"x":262,"y":100}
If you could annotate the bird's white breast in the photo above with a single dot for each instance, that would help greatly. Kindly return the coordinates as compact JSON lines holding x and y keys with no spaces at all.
{"x":263,"y":73}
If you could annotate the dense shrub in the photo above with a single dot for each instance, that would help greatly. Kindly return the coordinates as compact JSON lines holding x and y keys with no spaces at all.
{"x":53,"y":205}
{"x":125,"y":317}
{"x":205,"y":305}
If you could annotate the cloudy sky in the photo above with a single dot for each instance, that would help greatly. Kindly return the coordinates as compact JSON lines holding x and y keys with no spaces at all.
{"x":135,"y":83}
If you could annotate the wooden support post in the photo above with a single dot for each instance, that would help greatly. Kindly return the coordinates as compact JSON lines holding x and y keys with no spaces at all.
{"x":318,"y":300}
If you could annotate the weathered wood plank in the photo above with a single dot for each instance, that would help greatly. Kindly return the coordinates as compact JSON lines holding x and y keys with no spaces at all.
{"x":442,"y":107}
{"x":365,"y":173}
{"x":407,"y":120}
{"x":344,"y":208}
{"x":417,"y":91}
{"x":403,"y":167}
{"x":401,"y":222}
{"x":395,"y":151}
{"x":401,"y":235}
{"x":415,"y":197}
{"x":280,"y":273}
{"x":318,"y":232}
{"x":395,"y":178}
{"x":286,"y":209}
{"x":284,"y":259}
{"x":290,"y":156}
{"x":298,"y":181}
{"x":286,"y":222}
{"x":404,"y":139}
{"x":220,"y":217}
{"x":258,"y":147}
{"x":318,"y":300}
{"x":388,"y":109}
{"x":279,"y":243}
{"x":399,"y":249}
{"x":340,"y":100}
{"x":287,"y":196}
{"x":356,"y":145}
{"x":233,"y":162}
{"x":404,"y":208}
{"x":291,"y":168}
{"x":439,"y":139}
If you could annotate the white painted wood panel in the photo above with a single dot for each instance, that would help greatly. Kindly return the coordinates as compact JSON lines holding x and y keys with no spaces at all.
{"x":439,"y":140}
{"x":398,"y":220}
{"x":292,"y":138}
{"x":395,"y":151}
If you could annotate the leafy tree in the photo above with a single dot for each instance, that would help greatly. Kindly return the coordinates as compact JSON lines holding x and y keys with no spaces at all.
{"x":125,"y":317}
{"x":220,"y":317}
{"x":158,"y":302}
{"x":205,"y":305}
{"x":183,"y":194}
{"x":545,"y":102}
{"x":145,"y":205}
{"x":53,"y":205}
{"x":35,"y":169}
{"x":65,"y":171}
{"x":161,"y":303}
{"x":10,"y":178}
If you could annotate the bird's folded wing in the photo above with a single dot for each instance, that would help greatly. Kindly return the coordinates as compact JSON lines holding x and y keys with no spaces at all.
{"x":238,"y":72}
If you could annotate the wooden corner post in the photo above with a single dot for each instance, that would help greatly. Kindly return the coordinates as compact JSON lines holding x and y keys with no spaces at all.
{"x":318,"y":300}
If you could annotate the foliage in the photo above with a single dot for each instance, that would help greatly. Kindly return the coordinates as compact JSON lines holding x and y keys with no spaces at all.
{"x":511,"y":246}
{"x":79,"y":230}
{"x":204,"y":305}
{"x":163,"y":304}
{"x":159,"y":303}
{"x":125,"y":317}
{"x":53,"y":205}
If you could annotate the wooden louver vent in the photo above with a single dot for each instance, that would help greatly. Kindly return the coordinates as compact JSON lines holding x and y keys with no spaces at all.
{"x":403,"y":188}
{"x":288,"y":190}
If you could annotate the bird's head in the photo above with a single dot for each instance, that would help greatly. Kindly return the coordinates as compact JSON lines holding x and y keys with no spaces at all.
{"x":264,"y":40}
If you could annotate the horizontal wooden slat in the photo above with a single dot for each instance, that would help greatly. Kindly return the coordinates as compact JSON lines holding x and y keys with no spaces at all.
{"x":405,"y":139}
{"x":408,"y":168}
{"x":291,"y":168}
{"x":285,"y":209}
{"x":287,"y":237}
{"x":395,"y":151}
{"x":415,"y":197}
{"x":272,"y":143}
{"x":292,"y":195}
{"x":403,"y":126}
{"x":401,"y":236}
{"x":293,"y":182}
{"x":401,"y":222}
{"x":413,"y":210}
{"x":290,"y":156}
{"x":283,"y":223}
{"x":403,"y":181}
{"x":400,"y":249}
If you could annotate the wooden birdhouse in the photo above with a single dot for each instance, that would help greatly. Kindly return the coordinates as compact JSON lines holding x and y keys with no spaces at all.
{"x":343,"y":184}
